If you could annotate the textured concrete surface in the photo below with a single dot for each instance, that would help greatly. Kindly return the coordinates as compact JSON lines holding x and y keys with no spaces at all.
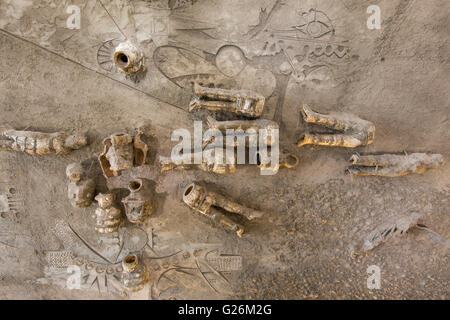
{"x":307,"y":246}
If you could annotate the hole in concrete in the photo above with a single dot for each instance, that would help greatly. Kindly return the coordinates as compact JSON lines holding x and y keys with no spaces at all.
{"x":135,"y":185}
{"x":188,"y":190}
{"x":130,"y":259}
{"x":121,"y":59}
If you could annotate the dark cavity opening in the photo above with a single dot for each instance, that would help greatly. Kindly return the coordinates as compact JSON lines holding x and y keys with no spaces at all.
{"x":188,"y":190}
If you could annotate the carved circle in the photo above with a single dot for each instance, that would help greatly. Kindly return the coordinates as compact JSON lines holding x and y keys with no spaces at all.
{"x":135,"y":239}
{"x":315,"y":29}
{"x":230,"y":60}
{"x":291,"y":161}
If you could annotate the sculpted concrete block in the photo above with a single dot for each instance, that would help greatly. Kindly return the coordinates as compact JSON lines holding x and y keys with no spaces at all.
{"x":208,"y":164}
{"x":245,"y":129}
{"x":240,"y":102}
{"x":108,"y":216}
{"x":81,"y":189}
{"x":138,"y":205}
{"x":389,"y":165}
{"x":228,"y":166}
{"x":122,"y":152}
{"x":351,"y":131}
{"x":203,"y":201}
{"x":39,"y":143}
{"x":128,"y":58}
{"x":135,"y":273}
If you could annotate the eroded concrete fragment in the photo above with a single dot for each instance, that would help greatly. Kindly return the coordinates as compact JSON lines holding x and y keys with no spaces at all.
{"x":241,"y":102}
{"x":108,"y":216}
{"x":81,"y":189}
{"x":350,"y":131}
{"x":390,"y":165}
{"x":138,"y":205}
{"x":135,"y":273}
{"x":209,"y":163}
{"x":388,"y":230}
{"x":204,"y":202}
{"x":228,"y":165}
{"x":128,"y":58}
{"x":244,"y":130}
{"x":40,"y":143}
{"x":121,"y":152}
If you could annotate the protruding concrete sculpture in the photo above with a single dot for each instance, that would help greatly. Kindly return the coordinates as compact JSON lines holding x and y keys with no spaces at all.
{"x":118,"y":154}
{"x":204,"y":201}
{"x":135,"y":273}
{"x":40,"y":143}
{"x":128,"y":58}
{"x":108,"y":217}
{"x":228,"y":166}
{"x":81,"y":190}
{"x":389,"y":165}
{"x":138,"y":205}
{"x":240,"y":102}
{"x":208,"y":163}
{"x":351,"y":131}
{"x":245,"y":129}
{"x":121,"y":152}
